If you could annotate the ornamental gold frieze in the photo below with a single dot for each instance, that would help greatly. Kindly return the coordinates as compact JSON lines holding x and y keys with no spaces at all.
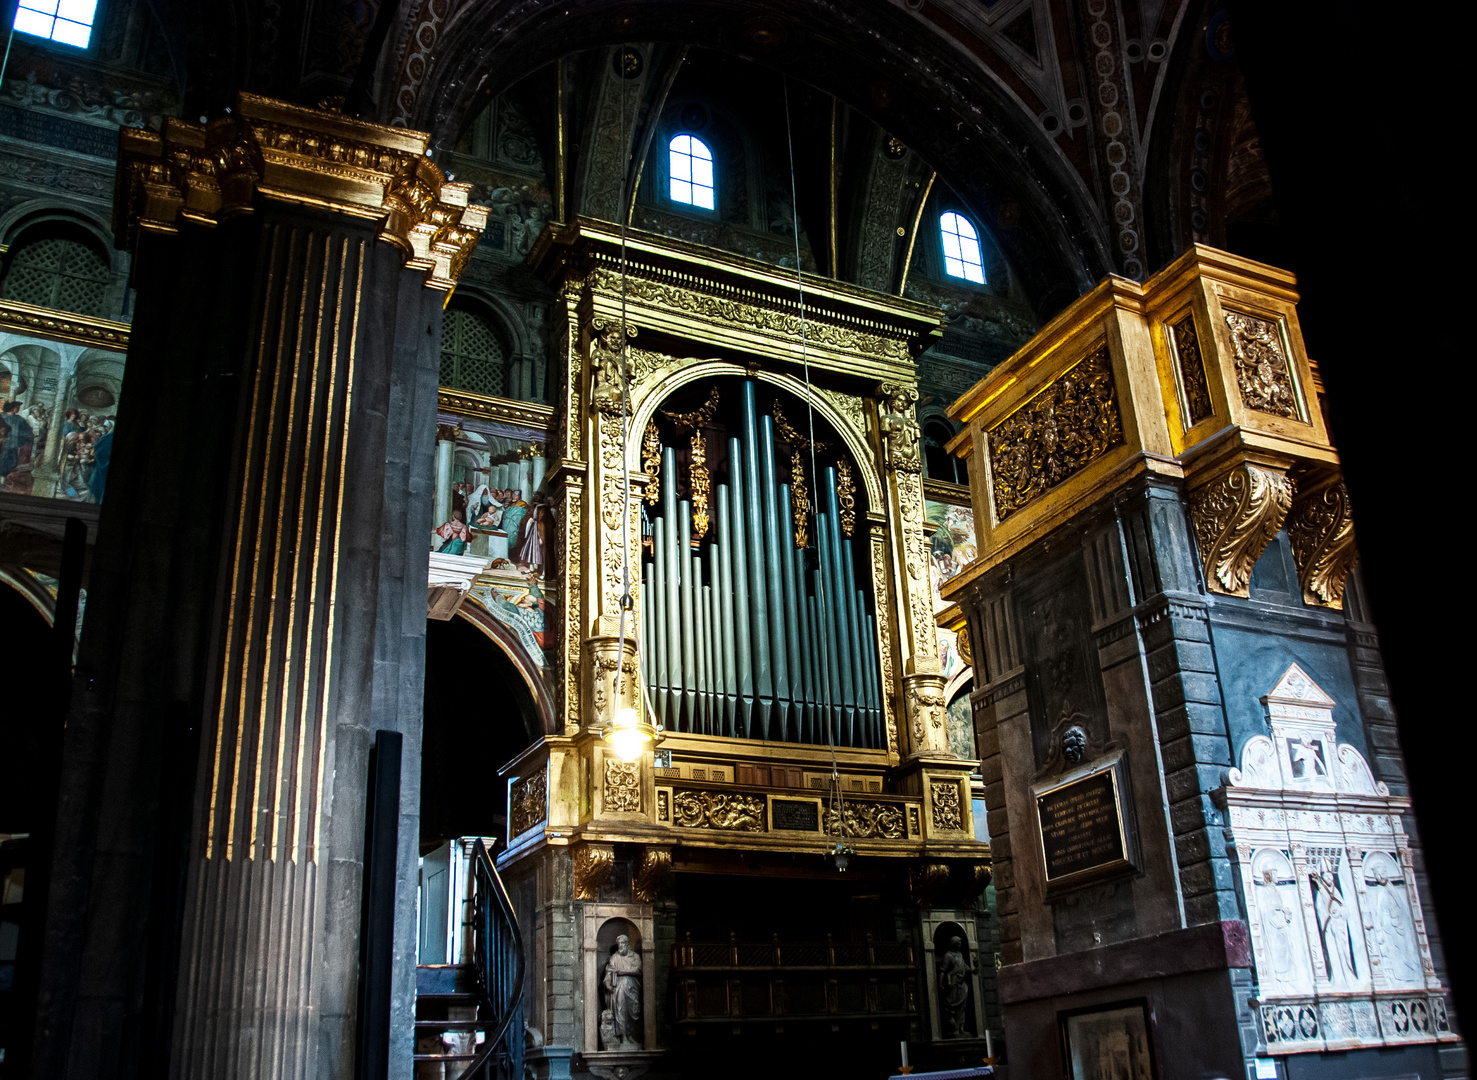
{"x":1236,"y":515}
{"x":725,"y":811}
{"x":528,"y":802}
{"x":867,"y":821}
{"x":948,"y":813}
{"x":622,"y":789}
{"x":63,"y":326}
{"x":1320,"y":528}
{"x":1190,"y":363}
{"x":527,"y":415}
{"x":208,"y":172}
{"x":1069,"y":423}
{"x":705,"y":301}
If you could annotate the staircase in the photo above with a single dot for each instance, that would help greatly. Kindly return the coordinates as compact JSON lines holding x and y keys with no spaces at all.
{"x":469,"y":1017}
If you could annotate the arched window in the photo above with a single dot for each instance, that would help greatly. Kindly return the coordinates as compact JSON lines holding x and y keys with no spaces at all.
{"x":67,"y":21}
{"x":473,"y":356}
{"x":57,"y":268}
{"x":691,"y":165}
{"x":939,"y":463}
{"x":962,"y":257}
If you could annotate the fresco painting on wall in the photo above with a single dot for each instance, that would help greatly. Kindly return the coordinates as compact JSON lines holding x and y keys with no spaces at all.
{"x":491,"y":503}
{"x":58,"y":407}
{"x":952,"y":549}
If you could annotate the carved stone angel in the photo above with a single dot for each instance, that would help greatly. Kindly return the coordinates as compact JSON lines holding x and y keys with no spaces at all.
{"x":606,"y":370}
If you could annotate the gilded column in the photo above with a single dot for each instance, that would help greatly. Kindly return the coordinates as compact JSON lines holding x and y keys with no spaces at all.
{"x":916,"y":631}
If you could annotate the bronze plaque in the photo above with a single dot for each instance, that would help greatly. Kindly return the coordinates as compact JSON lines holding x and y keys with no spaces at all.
{"x":1081,"y":826}
{"x":795,"y":815}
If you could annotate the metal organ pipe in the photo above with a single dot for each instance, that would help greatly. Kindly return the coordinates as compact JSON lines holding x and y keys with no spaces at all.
{"x":747,"y":635}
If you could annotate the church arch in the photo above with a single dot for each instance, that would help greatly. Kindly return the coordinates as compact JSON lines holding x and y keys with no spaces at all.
{"x":1058,"y":238}
{"x":534,"y":677}
{"x":58,"y":263}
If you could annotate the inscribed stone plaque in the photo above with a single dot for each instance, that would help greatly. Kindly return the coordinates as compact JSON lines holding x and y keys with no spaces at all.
{"x":795,"y":815}
{"x":1081,"y":826}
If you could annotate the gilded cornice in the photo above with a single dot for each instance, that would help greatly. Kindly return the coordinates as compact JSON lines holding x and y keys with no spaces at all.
{"x":63,"y":326}
{"x":520,"y":413}
{"x":206,"y":173}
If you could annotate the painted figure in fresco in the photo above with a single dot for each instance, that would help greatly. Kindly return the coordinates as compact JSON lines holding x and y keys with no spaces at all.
{"x":1333,"y":923}
{"x":454,"y":535}
{"x":954,"y":973}
{"x":459,"y":499}
{"x":525,"y":615}
{"x":102,"y":453}
{"x":77,"y":451}
{"x":16,"y":452}
{"x":484,"y":509}
{"x":622,"y":984}
{"x":516,"y":510}
{"x":528,"y":548}
{"x":41,"y":422}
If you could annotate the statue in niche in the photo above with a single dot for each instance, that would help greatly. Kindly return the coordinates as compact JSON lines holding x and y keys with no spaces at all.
{"x":1333,"y":924}
{"x":1277,"y":922}
{"x":953,"y":979}
{"x":620,"y":1022}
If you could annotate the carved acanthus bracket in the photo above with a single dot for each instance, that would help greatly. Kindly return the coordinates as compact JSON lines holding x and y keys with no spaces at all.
{"x":924,"y":695}
{"x":1320,"y":528}
{"x":1236,"y":516}
{"x":926,"y":880}
{"x":652,"y":870}
{"x":592,"y":866}
{"x":206,"y":173}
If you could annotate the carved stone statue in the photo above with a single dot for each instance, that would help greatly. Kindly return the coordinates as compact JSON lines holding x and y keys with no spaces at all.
{"x":953,"y":976}
{"x":622,"y":984}
{"x":899,"y":425}
{"x":608,"y":369}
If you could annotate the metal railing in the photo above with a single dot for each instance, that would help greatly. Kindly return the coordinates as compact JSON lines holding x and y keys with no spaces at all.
{"x":792,"y":954}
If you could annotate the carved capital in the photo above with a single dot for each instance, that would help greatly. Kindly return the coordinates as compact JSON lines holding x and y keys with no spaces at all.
{"x":926,"y":880}
{"x":206,"y":173}
{"x":592,"y":866}
{"x":651,"y":872}
{"x":1320,"y":527}
{"x":1236,"y":516}
{"x":924,"y":695}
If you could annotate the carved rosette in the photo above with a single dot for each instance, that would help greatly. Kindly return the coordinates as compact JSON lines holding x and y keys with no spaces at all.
{"x":925,"y":704}
{"x":867,"y":821}
{"x":602,"y":657}
{"x":208,"y":172}
{"x":948,"y":813}
{"x":1320,"y":527}
{"x":622,"y":790}
{"x":528,"y":803}
{"x":1236,"y":516}
{"x":652,"y":870}
{"x":926,"y":880}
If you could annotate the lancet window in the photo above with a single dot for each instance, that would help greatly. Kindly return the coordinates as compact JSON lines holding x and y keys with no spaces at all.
{"x":758,"y":615}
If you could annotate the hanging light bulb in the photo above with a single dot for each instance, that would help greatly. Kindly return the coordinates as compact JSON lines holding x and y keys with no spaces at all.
{"x":629,"y":737}
{"x":842,"y":854}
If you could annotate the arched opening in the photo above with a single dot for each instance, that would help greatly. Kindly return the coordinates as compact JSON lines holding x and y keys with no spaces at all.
{"x":474,"y":352}
{"x":60,"y":265}
{"x":940,"y":464}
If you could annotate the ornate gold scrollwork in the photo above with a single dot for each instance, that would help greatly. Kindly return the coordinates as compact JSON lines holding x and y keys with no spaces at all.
{"x":1192,"y":369}
{"x":718,"y":810}
{"x":622,"y":792}
{"x":651,"y":461}
{"x":1262,"y":373}
{"x":867,"y":821}
{"x":1236,"y":516}
{"x":698,"y":479}
{"x":1071,"y":421}
{"x":800,"y":498}
{"x":947,"y":813}
{"x":926,"y":880}
{"x":592,"y":866}
{"x":1320,"y":527}
{"x":651,"y":871}
{"x":926,"y":710}
{"x":529,"y":803}
{"x":846,"y":497}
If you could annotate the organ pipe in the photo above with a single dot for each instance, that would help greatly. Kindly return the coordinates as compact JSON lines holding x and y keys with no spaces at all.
{"x":748,"y":634}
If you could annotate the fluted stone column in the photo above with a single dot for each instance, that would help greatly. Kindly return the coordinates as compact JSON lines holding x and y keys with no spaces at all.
{"x":259,"y":607}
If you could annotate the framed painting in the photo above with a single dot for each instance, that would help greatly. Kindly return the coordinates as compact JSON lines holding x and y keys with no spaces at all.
{"x":1113,"y":1042}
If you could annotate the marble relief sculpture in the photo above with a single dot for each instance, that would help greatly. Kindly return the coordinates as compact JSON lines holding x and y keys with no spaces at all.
{"x":1338,"y":940}
{"x":620,"y":1022}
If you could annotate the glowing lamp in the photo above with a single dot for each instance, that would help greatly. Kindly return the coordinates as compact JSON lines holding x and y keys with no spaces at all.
{"x":629,"y":737}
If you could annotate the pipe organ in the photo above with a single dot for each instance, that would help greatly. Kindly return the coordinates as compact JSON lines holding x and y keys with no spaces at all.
{"x":755,"y":625}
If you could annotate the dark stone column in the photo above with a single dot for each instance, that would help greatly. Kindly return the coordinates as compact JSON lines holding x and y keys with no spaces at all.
{"x":260,"y":590}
